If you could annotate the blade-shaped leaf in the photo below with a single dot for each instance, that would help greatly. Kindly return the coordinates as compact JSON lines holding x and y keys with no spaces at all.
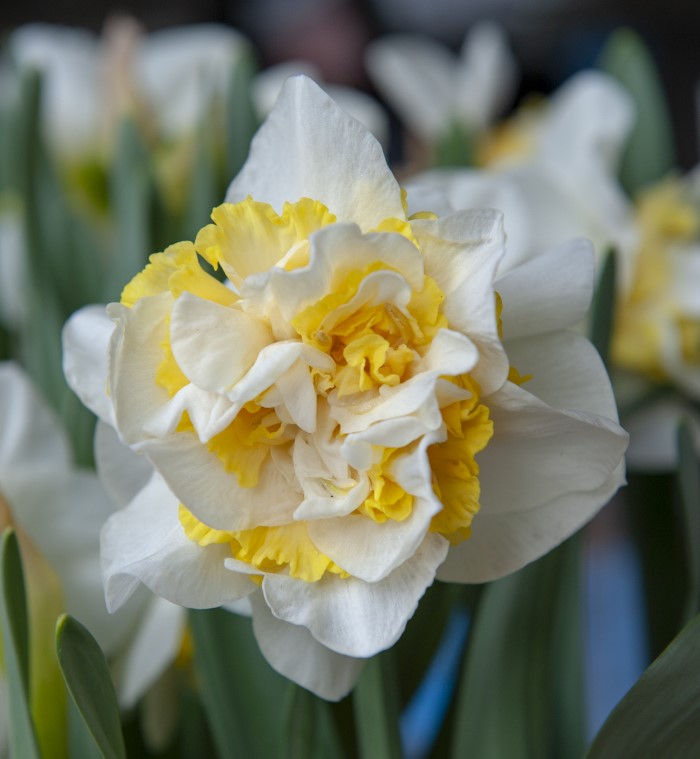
{"x":375,"y":703}
{"x":241,"y":120}
{"x":455,"y":147}
{"x":311,"y":730}
{"x":660,"y":715}
{"x":521,"y":690}
{"x":649,"y":153}
{"x":689,"y":480}
{"x":603,"y":307}
{"x":244,"y":698}
{"x":87,"y":677}
{"x":15,"y":636}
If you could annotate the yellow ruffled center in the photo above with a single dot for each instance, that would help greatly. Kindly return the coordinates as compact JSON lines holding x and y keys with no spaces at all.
{"x":668,"y":221}
{"x":372,"y":345}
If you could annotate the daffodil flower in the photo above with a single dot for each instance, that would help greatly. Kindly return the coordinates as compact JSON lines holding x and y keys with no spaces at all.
{"x":552,"y":170}
{"x":361,"y":407}
{"x":430,"y":88}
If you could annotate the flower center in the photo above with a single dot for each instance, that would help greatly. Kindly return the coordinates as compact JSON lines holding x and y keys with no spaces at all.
{"x":375,"y":324}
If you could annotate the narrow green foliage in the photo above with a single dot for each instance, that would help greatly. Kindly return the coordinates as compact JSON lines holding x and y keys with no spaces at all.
{"x":131,"y":194}
{"x":375,"y":703}
{"x":15,"y":636}
{"x":244,"y":699}
{"x":603,"y":307}
{"x":311,"y":731}
{"x":87,"y":678}
{"x":241,"y":119}
{"x":689,"y":481}
{"x":659,"y":717}
{"x":521,"y":693}
{"x":649,"y":154}
{"x":455,"y":147}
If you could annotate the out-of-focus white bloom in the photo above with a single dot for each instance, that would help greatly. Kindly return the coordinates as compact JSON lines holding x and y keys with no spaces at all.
{"x":657,"y":329}
{"x":182,"y":73}
{"x":551,"y":170}
{"x":315,"y":426}
{"x":58,"y":512}
{"x":267,"y":86}
{"x":430,"y":88}
{"x":171,"y":79}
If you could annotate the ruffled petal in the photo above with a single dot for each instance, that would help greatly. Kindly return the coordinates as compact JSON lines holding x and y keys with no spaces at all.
{"x":353,"y":617}
{"x":146,"y":543}
{"x":288,"y":161}
{"x":296,"y":654}
{"x":86,"y":337}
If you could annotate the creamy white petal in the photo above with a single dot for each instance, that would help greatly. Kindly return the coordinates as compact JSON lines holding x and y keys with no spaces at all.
{"x":309,"y":147}
{"x":370,"y":551}
{"x":214,"y":345}
{"x":503,"y":543}
{"x":122,"y":472}
{"x":539,"y":454}
{"x":567,"y":372}
{"x":353,"y":617}
{"x":550,"y":291}
{"x":146,"y":543}
{"x":462,"y":253}
{"x":33,"y":446}
{"x":416,"y":76}
{"x":213,"y":494}
{"x":86,"y":337}
{"x":294,"y":653}
{"x":486,"y":77}
{"x":154,"y":647}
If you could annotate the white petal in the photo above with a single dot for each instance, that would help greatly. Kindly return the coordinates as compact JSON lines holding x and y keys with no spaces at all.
{"x":213,"y":495}
{"x":539,"y":454}
{"x":214,"y":345}
{"x":567,"y":372}
{"x":564,"y":275}
{"x":33,"y":446}
{"x":86,"y":339}
{"x":462,"y":253}
{"x":154,"y":647}
{"x":294,"y":653}
{"x":503,"y":543}
{"x":146,"y":543}
{"x":370,"y":551}
{"x":485,"y":80}
{"x":416,"y":75}
{"x":353,"y":617}
{"x":122,"y":472}
{"x":289,"y":160}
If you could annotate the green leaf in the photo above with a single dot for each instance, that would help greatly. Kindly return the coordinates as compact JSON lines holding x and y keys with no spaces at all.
{"x":204,"y":186}
{"x":15,"y":636}
{"x":131,"y":194}
{"x":311,"y":730}
{"x":375,"y":702}
{"x":657,"y":532}
{"x":455,"y":147}
{"x":649,"y":154}
{"x":87,"y":677}
{"x":603,"y":307}
{"x":689,"y":480}
{"x":660,"y":715}
{"x":244,"y":698}
{"x":241,"y":119}
{"x":521,"y":693}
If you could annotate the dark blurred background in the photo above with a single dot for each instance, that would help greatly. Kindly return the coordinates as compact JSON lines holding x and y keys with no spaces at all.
{"x":551,"y":38}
